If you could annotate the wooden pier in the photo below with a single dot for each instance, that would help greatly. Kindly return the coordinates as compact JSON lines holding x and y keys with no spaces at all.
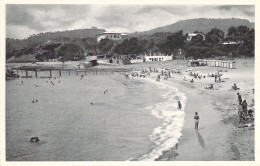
{"x":77,"y":72}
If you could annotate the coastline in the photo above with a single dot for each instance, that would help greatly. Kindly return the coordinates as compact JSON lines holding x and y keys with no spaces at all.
{"x":218,"y":137}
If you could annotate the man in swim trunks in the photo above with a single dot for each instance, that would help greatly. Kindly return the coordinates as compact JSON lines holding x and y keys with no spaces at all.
{"x":196,"y":117}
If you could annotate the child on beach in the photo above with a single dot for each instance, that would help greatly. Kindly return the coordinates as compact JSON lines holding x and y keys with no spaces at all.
{"x":196,"y":117}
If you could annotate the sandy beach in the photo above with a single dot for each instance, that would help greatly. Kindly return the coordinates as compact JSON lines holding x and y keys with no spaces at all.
{"x":218,"y":137}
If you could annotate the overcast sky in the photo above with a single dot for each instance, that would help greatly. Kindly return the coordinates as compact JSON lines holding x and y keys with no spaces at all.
{"x":25,"y":20}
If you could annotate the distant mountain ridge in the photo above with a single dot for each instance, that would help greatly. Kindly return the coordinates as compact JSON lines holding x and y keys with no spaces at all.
{"x":83,"y":37}
{"x":200,"y":24}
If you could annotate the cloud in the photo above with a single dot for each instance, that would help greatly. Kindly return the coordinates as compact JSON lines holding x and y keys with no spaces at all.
{"x":19,"y":31}
{"x":127,"y":18}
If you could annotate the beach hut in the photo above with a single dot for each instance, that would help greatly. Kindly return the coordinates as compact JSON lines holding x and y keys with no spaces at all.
{"x":217,"y":63}
{"x":224,"y":64}
{"x":232,"y":65}
{"x":214,"y":63}
{"x":209,"y":62}
{"x":228,"y":64}
{"x":206,"y":62}
{"x":220,"y":63}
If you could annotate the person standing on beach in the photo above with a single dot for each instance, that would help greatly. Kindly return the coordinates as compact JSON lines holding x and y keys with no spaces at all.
{"x":239,"y":98}
{"x":241,"y":114}
{"x":179,"y":105}
{"x":196,"y":117}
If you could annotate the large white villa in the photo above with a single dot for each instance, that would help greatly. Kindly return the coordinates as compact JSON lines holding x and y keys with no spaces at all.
{"x":110,"y":35}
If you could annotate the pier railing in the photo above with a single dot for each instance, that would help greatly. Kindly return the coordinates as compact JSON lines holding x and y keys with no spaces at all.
{"x":51,"y":71}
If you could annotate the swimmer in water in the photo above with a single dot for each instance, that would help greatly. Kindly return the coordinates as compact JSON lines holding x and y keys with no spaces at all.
{"x":91,"y":103}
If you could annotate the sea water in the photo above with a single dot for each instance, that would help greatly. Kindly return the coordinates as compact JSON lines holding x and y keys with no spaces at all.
{"x":130,"y":119}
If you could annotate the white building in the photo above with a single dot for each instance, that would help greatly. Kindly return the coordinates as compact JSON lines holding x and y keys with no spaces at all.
{"x":230,"y":43}
{"x":110,"y":35}
{"x":190,"y":35}
{"x":157,"y":57}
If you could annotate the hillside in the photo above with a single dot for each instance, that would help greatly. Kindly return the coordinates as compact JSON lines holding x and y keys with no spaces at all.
{"x":201,"y":24}
{"x":15,"y":45}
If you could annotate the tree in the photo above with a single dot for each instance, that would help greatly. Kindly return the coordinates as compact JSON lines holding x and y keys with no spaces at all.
{"x":105,"y":46}
{"x":70,"y":51}
{"x":132,"y":46}
{"x":91,"y":45}
{"x":173,"y":42}
{"x":232,"y":32}
{"x":197,"y":40}
{"x":214,"y":37}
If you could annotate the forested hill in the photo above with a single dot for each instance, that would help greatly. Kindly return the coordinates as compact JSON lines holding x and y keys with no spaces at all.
{"x":53,"y":36}
{"x":201,"y":24}
{"x":58,"y":36}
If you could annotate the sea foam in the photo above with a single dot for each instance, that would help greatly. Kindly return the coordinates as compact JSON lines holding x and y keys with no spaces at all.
{"x":168,"y":134}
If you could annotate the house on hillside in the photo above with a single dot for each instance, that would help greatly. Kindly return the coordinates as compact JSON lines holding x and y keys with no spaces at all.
{"x":231,"y":43}
{"x":190,"y":35}
{"x":111,"y":36}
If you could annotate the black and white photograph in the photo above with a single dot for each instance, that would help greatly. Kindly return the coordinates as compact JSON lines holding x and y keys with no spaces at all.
{"x":128,"y":82}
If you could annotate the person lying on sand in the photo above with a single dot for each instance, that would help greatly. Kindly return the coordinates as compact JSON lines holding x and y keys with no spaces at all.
{"x":210,"y":87}
{"x":246,"y":125}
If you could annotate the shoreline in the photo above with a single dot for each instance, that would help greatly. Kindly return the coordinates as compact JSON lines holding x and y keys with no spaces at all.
{"x":218,"y":137}
{"x":198,"y":145}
